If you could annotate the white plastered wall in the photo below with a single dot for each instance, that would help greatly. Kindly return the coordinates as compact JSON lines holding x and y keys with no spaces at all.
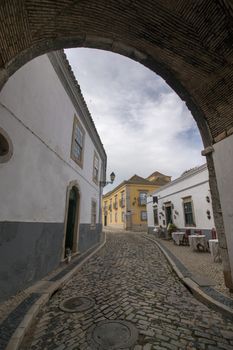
{"x":223,"y":162}
{"x":38,"y":115}
{"x":196,"y":186}
{"x":149,"y":208}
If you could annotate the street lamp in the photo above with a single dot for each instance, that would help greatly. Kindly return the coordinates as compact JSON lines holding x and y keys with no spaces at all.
{"x":112,"y":178}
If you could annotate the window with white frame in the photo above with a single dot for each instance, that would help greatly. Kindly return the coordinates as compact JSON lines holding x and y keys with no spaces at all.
{"x":110,"y":205}
{"x":122,"y":200}
{"x":115,"y":204}
{"x":188,"y":211}
{"x":77,"y":146}
{"x":95,"y":168}
{"x":142,"y":198}
{"x":93,"y":213}
{"x":143,"y":215}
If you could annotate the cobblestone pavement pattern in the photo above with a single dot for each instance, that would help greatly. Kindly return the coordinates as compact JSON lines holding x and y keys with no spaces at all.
{"x":130,"y":279}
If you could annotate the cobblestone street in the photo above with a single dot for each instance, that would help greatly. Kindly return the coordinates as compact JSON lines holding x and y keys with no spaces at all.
{"x":129,"y":279}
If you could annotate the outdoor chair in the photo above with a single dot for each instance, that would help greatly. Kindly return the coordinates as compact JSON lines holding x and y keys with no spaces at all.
{"x":185,"y":240}
{"x":198,"y":232}
{"x":213,"y":233}
{"x":201,"y":247}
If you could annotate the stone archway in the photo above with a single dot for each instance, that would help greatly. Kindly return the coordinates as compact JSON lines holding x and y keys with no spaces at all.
{"x":187,"y":42}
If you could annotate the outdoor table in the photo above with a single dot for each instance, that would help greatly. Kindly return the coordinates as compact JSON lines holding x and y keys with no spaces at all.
{"x":156,"y":232}
{"x":198,"y":242}
{"x":177,"y":237}
{"x":214,"y":250}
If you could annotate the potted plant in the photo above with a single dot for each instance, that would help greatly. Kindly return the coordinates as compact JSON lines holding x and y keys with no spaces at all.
{"x":171,"y":228}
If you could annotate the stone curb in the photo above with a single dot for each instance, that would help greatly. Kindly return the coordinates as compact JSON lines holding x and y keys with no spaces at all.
{"x":46,"y":288}
{"x":193,"y":286}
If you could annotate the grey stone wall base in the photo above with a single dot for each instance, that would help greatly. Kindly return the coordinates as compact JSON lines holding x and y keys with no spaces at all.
{"x":18,"y":322}
{"x":88,"y":236}
{"x":28,"y":251}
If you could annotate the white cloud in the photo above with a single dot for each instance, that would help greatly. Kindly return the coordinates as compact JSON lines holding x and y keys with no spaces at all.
{"x":143,"y":124}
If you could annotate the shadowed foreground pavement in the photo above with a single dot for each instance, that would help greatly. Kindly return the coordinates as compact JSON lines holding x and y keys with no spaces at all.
{"x":129,"y":279}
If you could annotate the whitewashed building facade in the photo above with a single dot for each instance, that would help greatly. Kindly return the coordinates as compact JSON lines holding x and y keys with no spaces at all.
{"x":185,"y":202}
{"x":51,"y":164}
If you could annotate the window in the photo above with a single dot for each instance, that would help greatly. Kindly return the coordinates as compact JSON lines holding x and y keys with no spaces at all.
{"x":95,"y":168}
{"x":116,"y":217}
{"x":188,"y":212}
{"x":123,"y":216}
{"x":110,"y":217}
{"x":115,"y":204}
{"x":6,"y":146}
{"x":143,"y":215}
{"x":105,"y":207}
{"x":77,"y":142}
{"x":122,"y":200}
{"x":110,"y":205}
{"x":142,"y":198}
{"x":155,"y":212}
{"x":93,"y":213}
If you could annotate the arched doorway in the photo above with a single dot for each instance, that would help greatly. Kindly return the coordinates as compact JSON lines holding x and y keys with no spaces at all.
{"x":72,"y":221}
{"x":187,"y":42}
{"x":105,"y":220}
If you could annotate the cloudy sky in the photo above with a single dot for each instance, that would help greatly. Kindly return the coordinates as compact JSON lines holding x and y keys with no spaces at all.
{"x":143,"y":124}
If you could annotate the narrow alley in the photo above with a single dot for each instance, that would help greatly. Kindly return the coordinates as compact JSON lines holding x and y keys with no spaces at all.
{"x":130,"y":280}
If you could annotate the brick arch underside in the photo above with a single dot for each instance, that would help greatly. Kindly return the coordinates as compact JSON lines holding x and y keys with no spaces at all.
{"x":187,"y":42}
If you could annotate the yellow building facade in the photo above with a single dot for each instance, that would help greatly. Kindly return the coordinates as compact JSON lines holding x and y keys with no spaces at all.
{"x":125,"y":206}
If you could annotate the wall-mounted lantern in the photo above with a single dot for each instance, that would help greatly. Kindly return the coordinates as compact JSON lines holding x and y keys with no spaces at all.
{"x":112,"y":178}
